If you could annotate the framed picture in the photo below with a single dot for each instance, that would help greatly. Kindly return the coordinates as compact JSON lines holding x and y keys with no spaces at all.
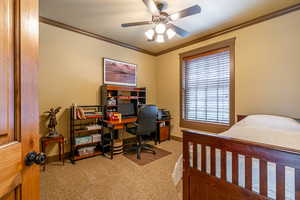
{"x":119,"y":73}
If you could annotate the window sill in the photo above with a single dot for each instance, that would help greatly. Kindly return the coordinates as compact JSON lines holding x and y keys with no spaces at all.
{"x":203,"y":126}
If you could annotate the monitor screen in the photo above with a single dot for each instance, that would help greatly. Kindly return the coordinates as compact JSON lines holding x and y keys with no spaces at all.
{"x":126,"y":109}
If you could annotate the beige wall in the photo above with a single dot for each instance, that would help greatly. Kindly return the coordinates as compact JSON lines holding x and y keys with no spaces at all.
{"x":71,"y":72}
{"x":267,"y":69}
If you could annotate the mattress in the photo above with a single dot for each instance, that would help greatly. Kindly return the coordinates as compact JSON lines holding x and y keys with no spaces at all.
{"x":266,"y":129}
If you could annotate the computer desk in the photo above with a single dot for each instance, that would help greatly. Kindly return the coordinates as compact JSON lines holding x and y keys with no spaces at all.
{"x":115,"y":125}
{"x":119,"y":124}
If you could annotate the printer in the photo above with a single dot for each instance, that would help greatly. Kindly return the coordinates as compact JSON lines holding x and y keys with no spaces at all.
{"x":163,"y":114}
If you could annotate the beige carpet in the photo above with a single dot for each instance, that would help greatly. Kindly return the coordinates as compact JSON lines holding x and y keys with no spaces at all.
{"x":118,"y":179}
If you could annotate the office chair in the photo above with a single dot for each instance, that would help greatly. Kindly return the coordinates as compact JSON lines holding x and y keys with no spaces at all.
{"x":145,"y":128}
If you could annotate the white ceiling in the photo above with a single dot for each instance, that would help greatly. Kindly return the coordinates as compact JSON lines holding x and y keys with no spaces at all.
{"x":105,"y":17}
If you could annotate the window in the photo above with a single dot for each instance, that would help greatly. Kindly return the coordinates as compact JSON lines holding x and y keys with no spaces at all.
{"x":207,"y":87}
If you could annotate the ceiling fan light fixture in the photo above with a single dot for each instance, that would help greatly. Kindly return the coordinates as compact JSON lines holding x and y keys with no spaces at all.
{"x":160,"y":38}
{"x":150,"y":34}
{"x":170,"y":33}
{"x":160,"y":28}
{"x":174,"y":16}
{"x":163,"y":29}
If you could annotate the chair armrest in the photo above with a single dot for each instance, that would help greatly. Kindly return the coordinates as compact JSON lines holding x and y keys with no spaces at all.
{"x":136,"y":124}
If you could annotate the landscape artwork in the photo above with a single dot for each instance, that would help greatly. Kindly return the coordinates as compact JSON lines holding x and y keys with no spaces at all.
{"x":119,"y":73}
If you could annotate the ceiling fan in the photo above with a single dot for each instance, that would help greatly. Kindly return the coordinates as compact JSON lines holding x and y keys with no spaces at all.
{"x":164,"y":28}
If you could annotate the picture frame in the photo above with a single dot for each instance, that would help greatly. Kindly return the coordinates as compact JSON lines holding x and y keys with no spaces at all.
{"x":117,"y":72}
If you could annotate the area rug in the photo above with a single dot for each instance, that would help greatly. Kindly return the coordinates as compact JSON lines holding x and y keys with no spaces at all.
{"x":147,"y":157}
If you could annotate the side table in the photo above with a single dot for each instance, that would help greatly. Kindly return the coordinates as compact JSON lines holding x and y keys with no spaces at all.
{"x":60,"y":140}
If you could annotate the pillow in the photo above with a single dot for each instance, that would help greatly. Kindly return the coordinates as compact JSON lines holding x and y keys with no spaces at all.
{"x":270,"y":121}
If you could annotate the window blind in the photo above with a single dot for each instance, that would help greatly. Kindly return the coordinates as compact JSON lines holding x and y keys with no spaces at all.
{"x":206,"y":87}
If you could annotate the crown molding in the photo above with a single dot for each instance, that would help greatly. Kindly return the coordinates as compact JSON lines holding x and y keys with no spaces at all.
{"x":93,"y":35}
{"x":254,"y":21}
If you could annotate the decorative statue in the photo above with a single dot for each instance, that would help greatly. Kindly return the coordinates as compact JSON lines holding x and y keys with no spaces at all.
{"x":52,"y":121}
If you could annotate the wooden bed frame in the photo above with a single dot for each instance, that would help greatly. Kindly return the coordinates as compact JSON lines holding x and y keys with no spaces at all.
{"x":198,"y":185}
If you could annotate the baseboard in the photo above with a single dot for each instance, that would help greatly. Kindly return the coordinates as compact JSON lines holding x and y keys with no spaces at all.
{"x":55,"y":158}
{"x":176,"y":138}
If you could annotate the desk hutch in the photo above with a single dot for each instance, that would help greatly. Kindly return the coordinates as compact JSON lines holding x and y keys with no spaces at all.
{"x":111,"y":96}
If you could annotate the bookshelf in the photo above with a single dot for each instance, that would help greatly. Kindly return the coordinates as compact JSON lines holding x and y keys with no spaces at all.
{"x":86,"y":133}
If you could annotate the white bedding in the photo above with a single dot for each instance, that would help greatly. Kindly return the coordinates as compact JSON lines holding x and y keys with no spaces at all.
{"x":266,"y":129}
{"x":279,"y":131}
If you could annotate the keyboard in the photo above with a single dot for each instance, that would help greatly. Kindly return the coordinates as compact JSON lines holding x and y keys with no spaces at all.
{"x":128,"y":116}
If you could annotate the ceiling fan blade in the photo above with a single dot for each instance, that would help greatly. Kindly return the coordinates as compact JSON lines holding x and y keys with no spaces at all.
{"x":186,"y":12}
{"x":179,"y":31}
{"x":152,"y":7}
{"x":136,"y":23}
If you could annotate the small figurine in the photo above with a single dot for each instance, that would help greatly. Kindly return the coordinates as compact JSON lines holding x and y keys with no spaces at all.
{"x":52,"y":122}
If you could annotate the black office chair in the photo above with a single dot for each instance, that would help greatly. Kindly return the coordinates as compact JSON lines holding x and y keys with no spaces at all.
{"x":145,"y":128}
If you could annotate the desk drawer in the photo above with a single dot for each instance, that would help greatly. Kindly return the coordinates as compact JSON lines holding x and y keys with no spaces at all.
{"x":164,"y":133}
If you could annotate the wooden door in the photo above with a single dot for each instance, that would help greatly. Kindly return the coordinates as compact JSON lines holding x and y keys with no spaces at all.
{"x":18,"y":98}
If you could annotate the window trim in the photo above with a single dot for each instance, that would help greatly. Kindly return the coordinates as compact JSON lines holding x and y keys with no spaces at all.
{"x":208,"y":126}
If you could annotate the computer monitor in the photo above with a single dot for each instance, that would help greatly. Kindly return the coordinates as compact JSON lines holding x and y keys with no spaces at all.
{"x":126,"y":109}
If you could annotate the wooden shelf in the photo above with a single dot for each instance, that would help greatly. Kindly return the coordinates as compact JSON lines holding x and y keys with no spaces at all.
{"x":86,"y":144}
{"x":94,"y":117}
{"x":91,"y":117}
{"x":88,"y":155}
{"x":78,"y":126}
{"x":124,"y":88}
{"x":86,"y":131}
{"x":128,"y":97}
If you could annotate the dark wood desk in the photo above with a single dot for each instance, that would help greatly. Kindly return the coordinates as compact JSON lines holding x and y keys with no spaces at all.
{"x":115,"y":125}
{"x":163,"y":133}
